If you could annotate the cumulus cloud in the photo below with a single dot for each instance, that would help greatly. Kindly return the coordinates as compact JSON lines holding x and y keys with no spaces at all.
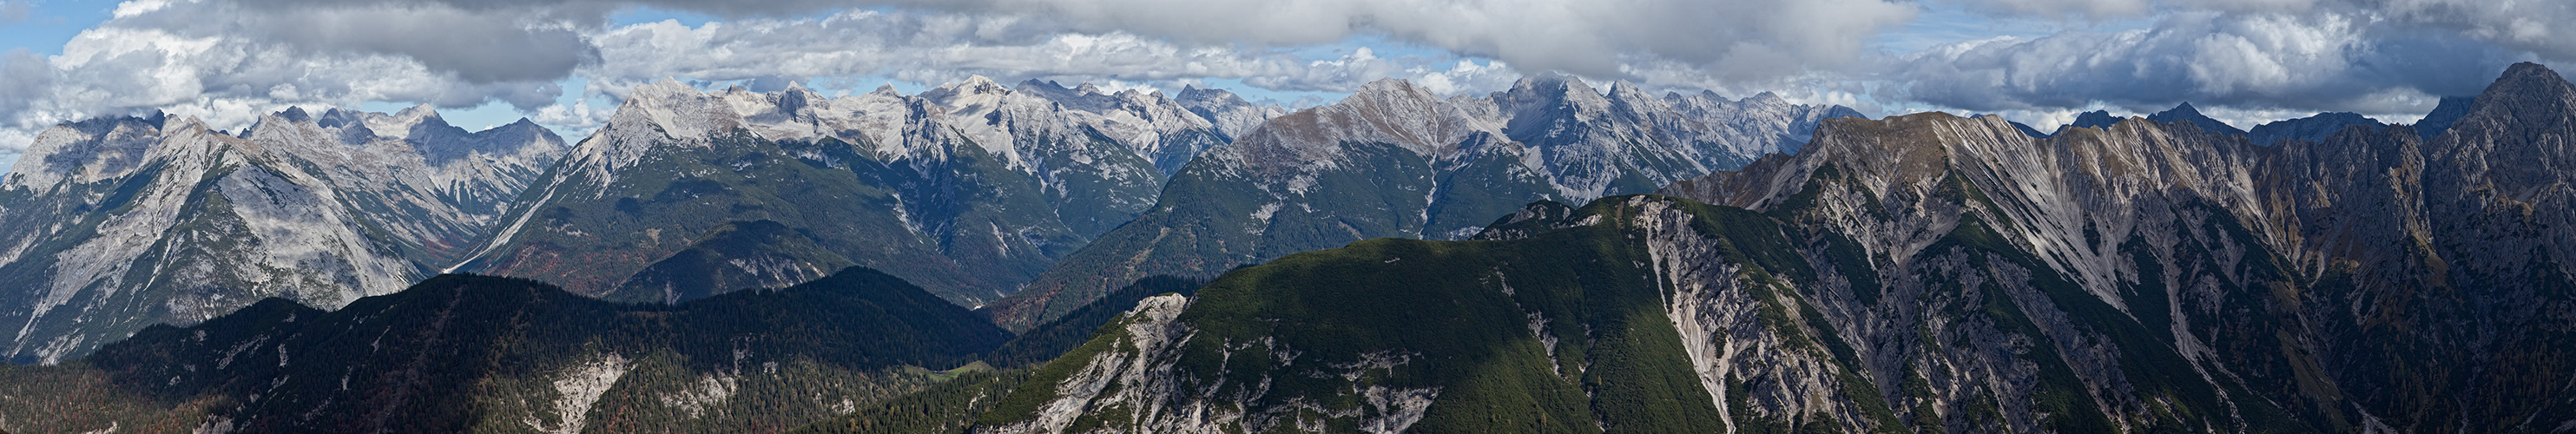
{"x":227,"y":60}
{"x":929,"y":48}
{"x":1585,"y":36}
{"x":1362,"y":66}
{"x":223,"y":79}
{"x":940,"y":48}
{"x":2077,"y":9}
{"x":2313,"y":61}
{"x":478,"y":46}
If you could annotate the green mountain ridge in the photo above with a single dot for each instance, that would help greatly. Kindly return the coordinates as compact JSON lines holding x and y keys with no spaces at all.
{"x":1586,"y":323}
{"x":466,"y":353}
{"x":470,"y":353}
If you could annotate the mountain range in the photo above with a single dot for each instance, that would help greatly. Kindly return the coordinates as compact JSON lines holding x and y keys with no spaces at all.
{"x":971,"y":190}
{"x":1549,"y":258}
{"x":967,"y":189}
{"x":1920,"y":273}
{"x":1396,"y":160}
{"x":115,"y":224}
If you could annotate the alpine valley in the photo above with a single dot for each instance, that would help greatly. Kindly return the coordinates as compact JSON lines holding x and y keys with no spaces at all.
{"x":1036,"y":258}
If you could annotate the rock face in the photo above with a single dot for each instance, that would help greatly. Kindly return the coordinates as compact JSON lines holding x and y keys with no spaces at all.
{"x":968,"y":189}
{"x":1924,"y":272}
{"x":2450,"y":110}
{"x":110,"y":225}
{"x":1394,"y":160}
{"x":1232,"y":116}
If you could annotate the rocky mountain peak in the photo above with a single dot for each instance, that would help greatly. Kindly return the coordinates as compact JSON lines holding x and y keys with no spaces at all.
{"x":1083,"y":98}
{"x":680,"y":111}
{"x":668,"y":88}
{"x":293,"y":113}
{"x":2449,"y":110}
{"x":1392,"y":111}
{"x":1625,"y":94}
{"x":84,"y":152}
{"x":2527,"y":90}
{"x":2527,"y":72}
{"x":975,"y":95}
{"x":2186,"y":113}
{"x":1386,"y":86}
{"x":2312,"y":128}
{"x":1552,"y":91}
{"x":1231,"y":115}
{"x":2092,"y":119}
{"x":1194,"y":95}
{"x":2510,"y":148}
{"x":1898,"y":150}
{"x":417,"y":111}
{"x":340,"y":118}
{"x":972,"y":85}
{"x":1551,"y":108}
{"x":797,"y":98}
{"x":1766,"y":98}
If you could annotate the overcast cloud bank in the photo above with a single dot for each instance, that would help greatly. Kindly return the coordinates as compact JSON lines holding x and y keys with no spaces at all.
{"x":227,"y":60}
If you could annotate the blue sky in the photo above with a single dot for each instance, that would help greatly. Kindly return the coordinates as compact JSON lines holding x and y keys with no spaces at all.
{"x":566,"y":63}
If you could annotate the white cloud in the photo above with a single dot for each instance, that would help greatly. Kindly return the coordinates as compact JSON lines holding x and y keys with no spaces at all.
{"x":225,"y":80}
{"x":229,"y":59}
{"x":1584,"y":36}
{"x":2081,"y":9}
{"x":940,"y":48}
{"x":2312,"y":62}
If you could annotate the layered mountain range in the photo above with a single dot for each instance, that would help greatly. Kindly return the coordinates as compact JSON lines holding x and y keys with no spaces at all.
{"x":968,"y":189}
{"x":1396,"y":160}
{"x":1397,"y":261}
{"x":1920,"y":273}
{"x":112,"y":225}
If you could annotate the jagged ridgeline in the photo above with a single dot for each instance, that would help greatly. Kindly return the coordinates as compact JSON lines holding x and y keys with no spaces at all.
{"x":111,"y":225}
{"x":1632,"y":314}
{"x":1921,"y":273}
{"x":463,"y":353}
{"x":968,"y":190}
{"x":1396,"y":160}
